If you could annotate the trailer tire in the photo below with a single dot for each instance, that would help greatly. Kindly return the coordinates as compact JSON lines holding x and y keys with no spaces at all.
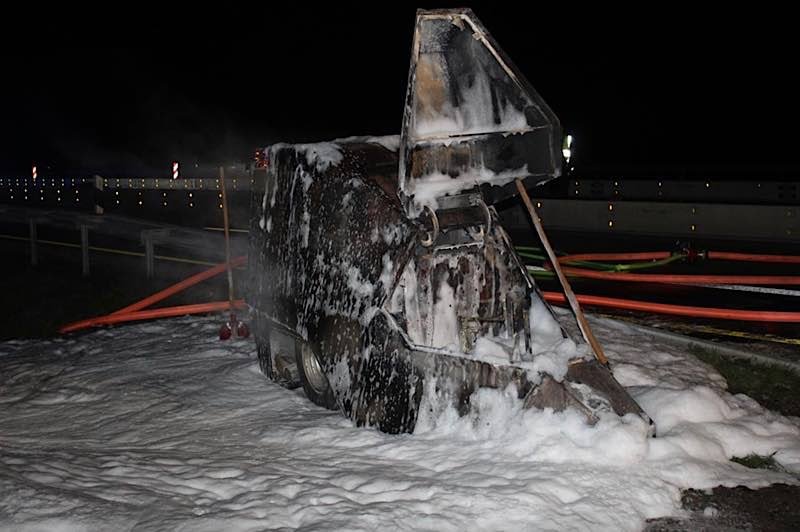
{"x":264,"y":357}
{"x":315,"y":382}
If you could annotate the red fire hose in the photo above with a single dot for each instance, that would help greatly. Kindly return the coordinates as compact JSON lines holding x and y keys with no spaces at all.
{"x":166,"y":312}
{"x":646,"y":255}
{"x":183,"y":285}
{"x":749,"y":257}
{"x":680,"y":310}
{"x":134,"y":312}
{"x":659,"y":255}
{"x":786,"y":280}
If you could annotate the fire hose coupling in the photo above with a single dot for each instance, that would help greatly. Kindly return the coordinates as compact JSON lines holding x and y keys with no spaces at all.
{"x":234,"y":327}
{"x":690,"y":253}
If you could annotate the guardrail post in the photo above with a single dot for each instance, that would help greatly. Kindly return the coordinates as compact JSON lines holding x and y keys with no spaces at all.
{"x":98,"y":195}
{"x":149,"y":254}
{"x":85,"y":250}
{"x":149,"y":237}
{"x":34,"y":248}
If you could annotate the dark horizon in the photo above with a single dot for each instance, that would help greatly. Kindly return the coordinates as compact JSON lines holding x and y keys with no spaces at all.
{"x":676,"y":92}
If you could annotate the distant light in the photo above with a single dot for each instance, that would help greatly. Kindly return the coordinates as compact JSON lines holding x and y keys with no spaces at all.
{"x":34,"y":173}
{"x":566,"y":148}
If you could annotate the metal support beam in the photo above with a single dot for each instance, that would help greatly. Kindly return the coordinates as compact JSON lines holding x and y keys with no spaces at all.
{"x":85,"y":250}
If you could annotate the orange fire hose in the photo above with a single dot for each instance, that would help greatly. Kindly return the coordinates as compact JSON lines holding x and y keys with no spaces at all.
{"x":680,"y":310}
{"x":166,"y":312}
{"x":750,"y":257}
{"x":787,"y":280}
{"x":134,"y":311}
{"x":646,"y":255}
{"x":659,"y":255}
{"x":182,"y":285}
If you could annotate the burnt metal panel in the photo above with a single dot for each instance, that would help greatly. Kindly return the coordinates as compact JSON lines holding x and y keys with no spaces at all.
{"x":470,"y":112}
{"x":314,"y":251}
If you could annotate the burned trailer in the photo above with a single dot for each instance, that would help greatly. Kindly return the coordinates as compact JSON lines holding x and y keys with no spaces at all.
{"x":380,"y":276}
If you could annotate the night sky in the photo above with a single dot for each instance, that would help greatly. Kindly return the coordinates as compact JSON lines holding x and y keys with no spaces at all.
{"x":670,"y":91}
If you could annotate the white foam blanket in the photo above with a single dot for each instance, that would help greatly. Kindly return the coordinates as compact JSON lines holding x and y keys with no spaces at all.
{"x":160,"y":426}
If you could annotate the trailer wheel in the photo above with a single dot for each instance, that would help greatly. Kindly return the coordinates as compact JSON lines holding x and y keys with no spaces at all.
{"x":313,"y":378}
{"x":264,"y":357}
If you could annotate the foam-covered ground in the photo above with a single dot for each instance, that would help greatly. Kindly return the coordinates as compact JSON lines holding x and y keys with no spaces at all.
{"x":160,"y":426}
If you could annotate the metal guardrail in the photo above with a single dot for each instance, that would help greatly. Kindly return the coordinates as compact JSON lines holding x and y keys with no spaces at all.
{"x":193,"y":202}
{"x":756,"y":223}
{"x":670,"y":190}
{"x":186,"y":244}
{"x":760,"y":211}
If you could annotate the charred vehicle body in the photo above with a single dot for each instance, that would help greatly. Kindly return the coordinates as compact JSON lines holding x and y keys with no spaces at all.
{"x":379,"y":271}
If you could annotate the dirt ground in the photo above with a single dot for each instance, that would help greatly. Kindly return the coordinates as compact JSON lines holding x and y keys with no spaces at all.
{"x":732,"y":509}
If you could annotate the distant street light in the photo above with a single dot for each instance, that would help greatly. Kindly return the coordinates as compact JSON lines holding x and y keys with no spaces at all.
{"x":566,"y":148}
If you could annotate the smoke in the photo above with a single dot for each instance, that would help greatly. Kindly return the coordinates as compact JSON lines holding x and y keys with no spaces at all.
{"x":126,"y":112}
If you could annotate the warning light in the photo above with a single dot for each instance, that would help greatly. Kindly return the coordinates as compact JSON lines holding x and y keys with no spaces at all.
{"x":34,"y":173}
{"x":175,"y":172}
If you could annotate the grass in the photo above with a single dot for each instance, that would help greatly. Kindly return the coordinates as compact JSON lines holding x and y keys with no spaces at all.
{"x":774,"y":387}
{"x":757,"y":461}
